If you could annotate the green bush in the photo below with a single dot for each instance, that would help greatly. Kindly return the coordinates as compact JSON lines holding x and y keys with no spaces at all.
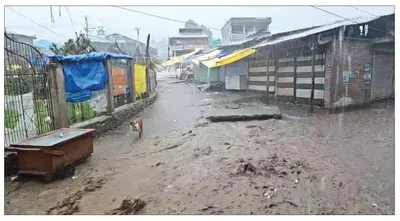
{"x":11,"y":119}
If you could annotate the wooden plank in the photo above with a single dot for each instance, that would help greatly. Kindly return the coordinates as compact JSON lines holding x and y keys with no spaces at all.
{"x":286,"y":69}
{"x":271,"y":78}
{"x":258,"y":69}
{"x":258,"y":78}
{"x":317,"y":68}
{"x":257,"y":87}
{"x":306,"y":93}
{"x":318,"y":80}
{"x":285,"y":91}
{"x":285,"y":79}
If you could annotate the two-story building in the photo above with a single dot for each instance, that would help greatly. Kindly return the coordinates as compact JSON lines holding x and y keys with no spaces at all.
{"x":238,"y":29}
{"x":187,"y":40}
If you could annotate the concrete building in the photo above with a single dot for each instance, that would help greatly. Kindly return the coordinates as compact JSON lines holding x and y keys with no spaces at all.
{"x":238,"y":29}
{"x":187,"y":40}
{"x":118,"y":43}
{"x":332,"y":65}
{"x":131,"y":46}
{"x":28,"y":39}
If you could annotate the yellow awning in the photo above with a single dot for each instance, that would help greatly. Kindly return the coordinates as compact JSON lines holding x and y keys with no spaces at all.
{"x":178,"y":59}
{"x":235,"y":56}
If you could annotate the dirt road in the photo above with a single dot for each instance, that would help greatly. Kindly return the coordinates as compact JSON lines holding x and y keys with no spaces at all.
{"x":322,"y":164}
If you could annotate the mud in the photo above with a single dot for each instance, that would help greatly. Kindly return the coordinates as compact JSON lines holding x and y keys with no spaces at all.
{"x":343,"y":163}
{"x":70,"y":205}
{"x":128,"y":207}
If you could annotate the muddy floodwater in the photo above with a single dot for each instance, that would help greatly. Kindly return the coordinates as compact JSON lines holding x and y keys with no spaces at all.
{"x":301,"y":164}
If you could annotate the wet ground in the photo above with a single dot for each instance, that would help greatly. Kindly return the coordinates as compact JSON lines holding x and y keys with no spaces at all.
{"x":301,"y":164}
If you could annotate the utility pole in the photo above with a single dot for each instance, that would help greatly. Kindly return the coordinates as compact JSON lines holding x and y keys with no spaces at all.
{"x":86,"y":26}
{"x":138,"y":32}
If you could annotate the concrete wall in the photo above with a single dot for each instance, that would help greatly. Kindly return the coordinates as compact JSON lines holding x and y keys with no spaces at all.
{"x":120,"y":116}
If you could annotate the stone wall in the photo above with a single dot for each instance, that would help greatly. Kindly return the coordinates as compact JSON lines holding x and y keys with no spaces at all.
{"x":121,"y":114}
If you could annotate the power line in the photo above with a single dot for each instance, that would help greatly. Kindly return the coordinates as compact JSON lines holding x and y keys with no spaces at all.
{"x":157,"y":16}
{"x":69,"y":15}
{"x":347,"y":18}
{"x":37,"y":23}
{"x":370,"y":14}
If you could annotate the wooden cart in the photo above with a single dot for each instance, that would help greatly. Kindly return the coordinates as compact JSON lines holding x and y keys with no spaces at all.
{"x":54,"y":154}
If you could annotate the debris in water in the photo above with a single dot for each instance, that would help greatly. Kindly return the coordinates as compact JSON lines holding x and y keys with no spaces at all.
{"x":128,"y":207}
{"x":14,"y":178}
{"x":254,"y":126}
{"x":270,"y":193}
{"x":93,"y":184}
{"x":207,"y":207}
{"x":201,"y":152}
{"x":157,"y":164}
{"x":68,"y":206}
{"x":243,"y":168}
{"x":375,"y":205}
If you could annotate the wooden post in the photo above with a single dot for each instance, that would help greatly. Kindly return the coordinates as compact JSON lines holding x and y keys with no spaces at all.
{"x":132,"y":83}
{"x":314,"y":49}
{"x":109,"y":87}
{"x":267,"y":57}
{"x":276,"y":77}
{"x":295,"y":79}
{"x":58,"y":97}
{"x":148,"y":64}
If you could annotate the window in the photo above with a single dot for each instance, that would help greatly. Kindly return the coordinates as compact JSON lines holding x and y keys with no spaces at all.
{"x":237,"y":29}
{"x":249,"y":29}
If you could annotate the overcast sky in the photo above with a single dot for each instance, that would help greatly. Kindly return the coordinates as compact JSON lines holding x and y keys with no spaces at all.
{"x":284,"y":18}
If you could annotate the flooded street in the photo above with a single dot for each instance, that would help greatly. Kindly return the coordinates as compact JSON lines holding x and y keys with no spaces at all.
{"x":301,"y":164}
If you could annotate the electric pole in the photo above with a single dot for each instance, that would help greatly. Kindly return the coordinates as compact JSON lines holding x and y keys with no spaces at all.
{"x":138,"y":31}
{"x":86,"y":27}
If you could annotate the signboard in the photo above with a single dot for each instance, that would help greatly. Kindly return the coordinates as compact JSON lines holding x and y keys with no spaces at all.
{"x":367,"y":73}
{"x":119,"y":81}
{"x":355,"y":74}
{"x":345,"y":77}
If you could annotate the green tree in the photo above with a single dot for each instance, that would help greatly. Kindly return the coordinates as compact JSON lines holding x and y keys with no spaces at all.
{"x":216,"y":42}
{"x":80,"y":46}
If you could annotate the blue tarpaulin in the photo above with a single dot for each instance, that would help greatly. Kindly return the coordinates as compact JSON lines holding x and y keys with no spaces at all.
{"x":94,"y":56}
{"x":85,"y":73}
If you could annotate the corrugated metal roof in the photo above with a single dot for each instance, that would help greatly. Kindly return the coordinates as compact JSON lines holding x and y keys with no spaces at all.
{"x":358,"y":20}
{"x":9,"y":32}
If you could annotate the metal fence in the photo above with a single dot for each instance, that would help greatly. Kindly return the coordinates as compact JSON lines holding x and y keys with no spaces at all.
{"x":27,"y":100}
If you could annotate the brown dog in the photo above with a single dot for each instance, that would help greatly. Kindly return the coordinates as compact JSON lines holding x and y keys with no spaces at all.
{"x":137,"y":125}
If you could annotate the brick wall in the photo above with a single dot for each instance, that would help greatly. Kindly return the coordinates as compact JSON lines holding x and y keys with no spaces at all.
{"x":353,"y":56}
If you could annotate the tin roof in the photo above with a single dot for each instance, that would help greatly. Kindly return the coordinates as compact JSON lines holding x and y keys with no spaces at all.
{"x":318,"y":29}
